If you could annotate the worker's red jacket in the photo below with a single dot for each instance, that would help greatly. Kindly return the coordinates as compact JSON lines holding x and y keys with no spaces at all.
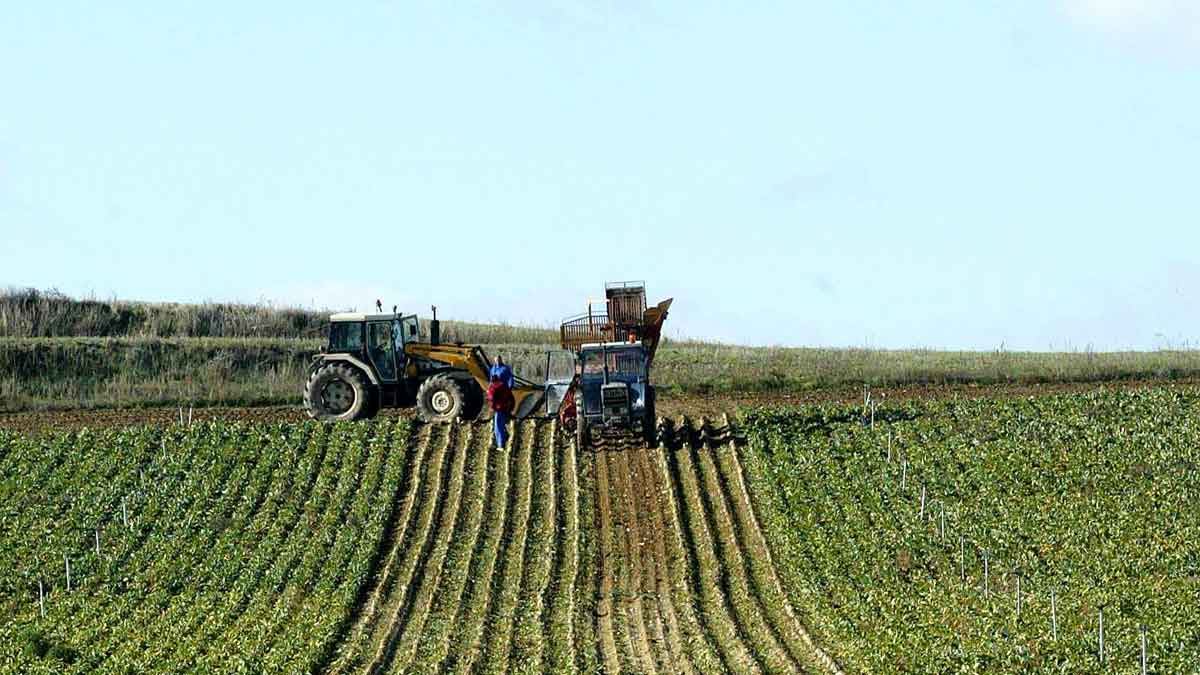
{"x":500,"y":397}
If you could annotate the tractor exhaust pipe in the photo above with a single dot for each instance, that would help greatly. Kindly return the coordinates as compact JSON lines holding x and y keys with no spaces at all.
{"x":435,"y":328}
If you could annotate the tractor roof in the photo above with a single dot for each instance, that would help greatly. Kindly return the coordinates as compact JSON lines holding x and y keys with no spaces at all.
{"x":591,"y":346}
{"x":359,"y":316}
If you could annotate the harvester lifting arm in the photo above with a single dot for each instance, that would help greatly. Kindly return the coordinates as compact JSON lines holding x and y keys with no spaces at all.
{"x":474,"y":361}
{"x":652,"y":320}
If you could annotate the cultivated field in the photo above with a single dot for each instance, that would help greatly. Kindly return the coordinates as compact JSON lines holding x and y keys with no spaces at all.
{"x":988,"y":536}
{"x":386,"y":547}
{"x":799,"y":539}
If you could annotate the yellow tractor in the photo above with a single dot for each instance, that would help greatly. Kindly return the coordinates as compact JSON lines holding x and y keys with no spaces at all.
{"x":375,"y":361}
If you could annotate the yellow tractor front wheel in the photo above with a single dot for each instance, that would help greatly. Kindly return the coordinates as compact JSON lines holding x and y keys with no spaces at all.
{"x":441,"y":399}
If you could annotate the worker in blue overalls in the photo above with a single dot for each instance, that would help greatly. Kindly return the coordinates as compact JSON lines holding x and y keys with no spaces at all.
{"x":500,"y":397}
{"x":502,"y":371}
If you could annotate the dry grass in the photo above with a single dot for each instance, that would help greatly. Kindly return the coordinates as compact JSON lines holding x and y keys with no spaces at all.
{"x":57,"y":352}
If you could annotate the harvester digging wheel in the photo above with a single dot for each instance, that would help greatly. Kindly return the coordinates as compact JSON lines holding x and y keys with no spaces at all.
{"x":441,"y":399}
{"x":650,"y":420}
{"x":580,"y":433}
{"x":338,"y":392}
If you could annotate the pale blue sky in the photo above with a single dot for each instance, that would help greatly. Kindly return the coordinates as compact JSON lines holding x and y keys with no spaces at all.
{"x":937,"y":174}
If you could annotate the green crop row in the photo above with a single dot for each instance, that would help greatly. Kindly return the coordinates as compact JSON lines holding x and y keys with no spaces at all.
{"x":1087,"y":502}
{"x":218,"y":546}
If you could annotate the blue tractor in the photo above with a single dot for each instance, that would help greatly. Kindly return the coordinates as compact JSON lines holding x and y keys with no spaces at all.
{"x":614,"y":349}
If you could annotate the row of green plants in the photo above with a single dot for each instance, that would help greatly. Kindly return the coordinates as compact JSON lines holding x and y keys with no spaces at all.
{"x":1086,"y":503}
{"x":215,"y":546}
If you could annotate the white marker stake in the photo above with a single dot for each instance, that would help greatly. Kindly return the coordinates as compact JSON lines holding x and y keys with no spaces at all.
{"x":97,"y":542}
{"x":1053,"y":615}
{"x":889,"y":446}
{"x":986,"y":589}
{"x":41,"y":599}
{"x":124,"y":513}
{"x":1143,"y":649}
{"x":962,"y":558}
{"x":180,"y":415}
{"x":67,"y":562}
{"x":942,"y":531}
{"x":1018,"y":596}
{"x":903,"y":473}
{"x":922,"y":501}
{"x":1101,"y":635}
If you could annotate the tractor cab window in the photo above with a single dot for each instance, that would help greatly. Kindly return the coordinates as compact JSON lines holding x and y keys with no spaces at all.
{"x":382,"y":349}
{"x":410,"y":329}
{"x":345,"y":336}
{"x":623,"y":364}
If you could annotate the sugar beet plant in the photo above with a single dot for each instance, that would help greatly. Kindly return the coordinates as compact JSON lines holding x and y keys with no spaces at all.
{"x":216,"y":546}
{"x":1080,"y":504}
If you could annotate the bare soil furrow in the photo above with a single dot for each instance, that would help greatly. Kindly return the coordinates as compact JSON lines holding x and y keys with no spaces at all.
{"x":473,"y":611}
{"x":606,"y":553}
{"x":748,"y":610}
{"x":541,"y":546}
{"x":630,"y":579}
{"x":587,"y":578}
{"x":701,"y":649}
{"x":507,"y":583}
{"x":658,"y":569}
{"x":710,"y":577}
{"x":405,"y":635}
{"x":441,"y":628}
{"x":414,"y":551}
{"x":560,"y":606}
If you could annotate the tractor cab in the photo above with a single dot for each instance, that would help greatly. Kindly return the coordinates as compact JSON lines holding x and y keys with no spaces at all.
{"x":375,"y":339}
{"x":374,"y":344}
{"x":613,"y":384}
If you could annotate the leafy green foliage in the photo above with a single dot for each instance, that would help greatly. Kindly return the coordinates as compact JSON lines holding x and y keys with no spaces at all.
{"x":224,"y":546}
{"x":1091,"y":496}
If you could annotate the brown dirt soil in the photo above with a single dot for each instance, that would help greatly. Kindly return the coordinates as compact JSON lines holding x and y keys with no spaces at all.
{"x":669,"y":405}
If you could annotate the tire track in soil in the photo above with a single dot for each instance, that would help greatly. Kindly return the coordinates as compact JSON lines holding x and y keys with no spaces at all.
{"x":604,"y":579}
{"x":630,"y":577}
{"x":653,"y":523}
{"x":703,"y":652}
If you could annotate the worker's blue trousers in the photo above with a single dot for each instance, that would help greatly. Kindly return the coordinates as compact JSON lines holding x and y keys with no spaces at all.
{"x":500,"y":425}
